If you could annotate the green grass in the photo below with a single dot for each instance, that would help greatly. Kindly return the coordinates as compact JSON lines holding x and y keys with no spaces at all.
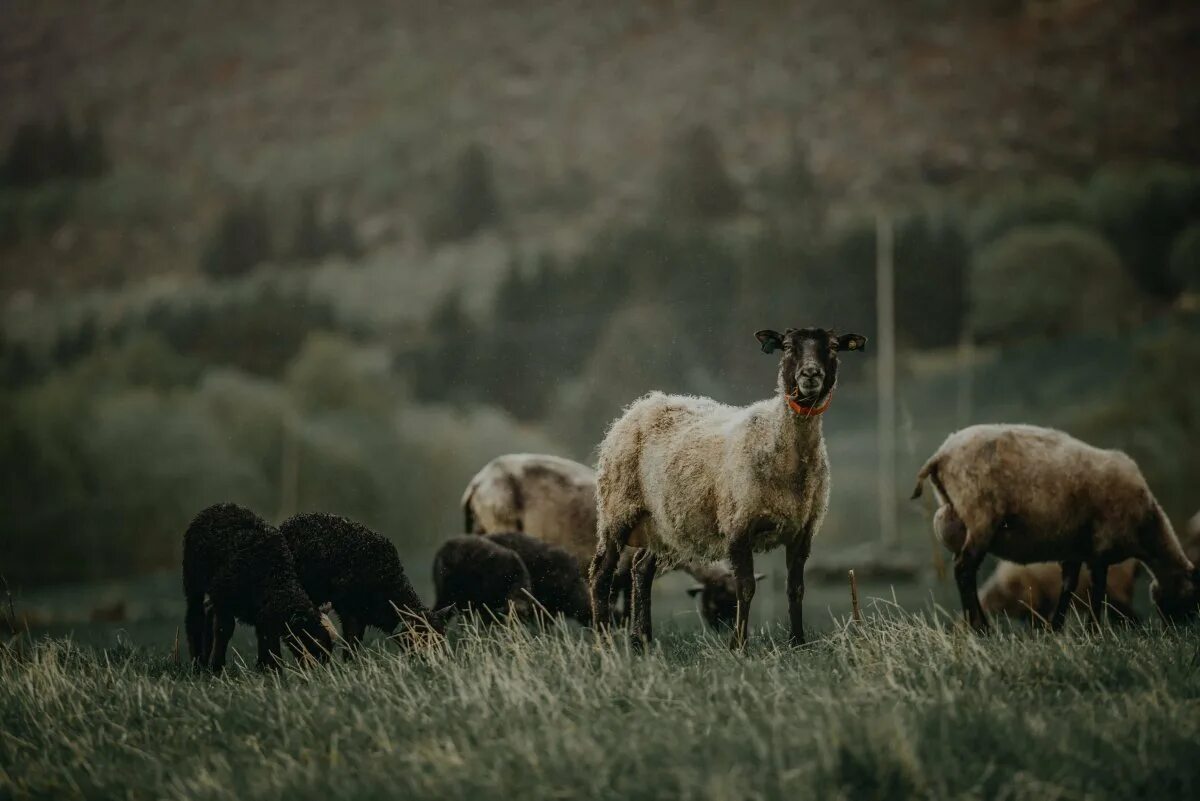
{"x":905,"y":705}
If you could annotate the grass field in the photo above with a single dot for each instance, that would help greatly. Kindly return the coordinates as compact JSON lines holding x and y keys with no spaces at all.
{"x":905,"y":705}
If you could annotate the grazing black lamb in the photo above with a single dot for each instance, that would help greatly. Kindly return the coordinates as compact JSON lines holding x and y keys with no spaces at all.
{"x":359,"y":573}
{"x":478,"y":573}
{"x":245,"y":568}
{"x":556,"y":577}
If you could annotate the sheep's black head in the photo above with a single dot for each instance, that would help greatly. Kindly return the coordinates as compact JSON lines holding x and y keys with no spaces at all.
{"x":425,"y":628}
{"x":1179,"y":600}
{"x":809,"y":364}
{"x":308,"y":636}
{"x":718,"y":599}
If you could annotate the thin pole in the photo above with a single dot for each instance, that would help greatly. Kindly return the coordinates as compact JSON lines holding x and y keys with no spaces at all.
{"x":886,"y":364}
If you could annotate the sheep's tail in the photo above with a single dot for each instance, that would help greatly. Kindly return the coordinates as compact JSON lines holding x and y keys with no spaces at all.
{"x":929,"y":471}
{"x":468,"y":512}
{"x":922,"y":474}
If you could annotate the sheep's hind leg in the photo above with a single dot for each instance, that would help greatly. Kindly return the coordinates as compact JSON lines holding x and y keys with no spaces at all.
{"x":1070,"y":580}
{"x":797,"y":556}
{"x":194,"y":622}
{"x":642,"y":575}
{"x":966,"y":571}
{"x":222,"y":633}
{"x":604,"y":565}
{"x":1099,"y":570}
{"x":741,"y":557}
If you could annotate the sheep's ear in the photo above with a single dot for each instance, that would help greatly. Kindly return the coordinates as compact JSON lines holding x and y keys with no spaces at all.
{"x":770,"y":340}
{"x":695,"y":590}
{"x":440,"y":617}
{"x":759,"y":576}
{"x":852,"y":342}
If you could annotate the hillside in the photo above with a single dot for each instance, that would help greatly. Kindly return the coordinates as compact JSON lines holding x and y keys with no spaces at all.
{"x":369,"y":103}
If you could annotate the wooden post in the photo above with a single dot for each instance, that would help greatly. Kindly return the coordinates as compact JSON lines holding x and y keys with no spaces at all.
{"x":289,"y":465}
{"x":886,"y":366}
{"x":855,"y":614}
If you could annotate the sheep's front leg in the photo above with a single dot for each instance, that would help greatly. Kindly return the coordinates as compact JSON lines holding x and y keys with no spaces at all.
{"x":353,"y":630}
{"x":797,"y":556}
{"x":966,"y":571}
{"x":642,"y":575}
{"x":741,"y":558}
{"x":1070,"y":580}
{"x":269,"y":656}
{"x":223,"y":626}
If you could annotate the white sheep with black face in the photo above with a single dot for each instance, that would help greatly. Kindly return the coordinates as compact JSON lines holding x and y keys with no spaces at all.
{"x":688,"y":479}
{"x":1030,"y":494}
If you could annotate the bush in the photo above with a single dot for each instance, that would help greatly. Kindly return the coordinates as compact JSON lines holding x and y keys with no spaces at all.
{"x":695,"y":183}
{"x":471,"y":203}
{"x":240,"y":241}
{"x":1047,"y":281}
{"x":1142,"y":211}
{"x":1185,"y":259}
{"x":259,"y":333}
{"x":1044,"y":203}
{"x":932,"y":261}
{"x":40,"y":153}
{"x":314,"y":238}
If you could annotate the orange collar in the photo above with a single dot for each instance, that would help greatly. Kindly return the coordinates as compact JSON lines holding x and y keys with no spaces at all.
{"x":808,"y":411}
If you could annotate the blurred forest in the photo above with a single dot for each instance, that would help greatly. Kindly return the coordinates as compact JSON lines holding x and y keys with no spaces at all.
{"x":314,"y":257}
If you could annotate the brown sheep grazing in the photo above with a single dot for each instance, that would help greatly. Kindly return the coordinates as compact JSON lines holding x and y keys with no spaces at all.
{"x":554,"y":499}
{"x":1028,"y":494}
{"x":1030,"y":592}
{"x":245,"y":568}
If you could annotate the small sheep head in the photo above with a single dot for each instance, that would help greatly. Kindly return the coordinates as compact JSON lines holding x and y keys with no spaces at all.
{"x":423,"y":629}
{"x":718,"y":599}
{"x":308,"y":636}
{"x":809,"y":364}
{"x":1179,"y":600}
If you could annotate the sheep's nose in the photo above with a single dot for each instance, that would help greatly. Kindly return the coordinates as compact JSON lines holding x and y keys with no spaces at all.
{"x":811,"y":371}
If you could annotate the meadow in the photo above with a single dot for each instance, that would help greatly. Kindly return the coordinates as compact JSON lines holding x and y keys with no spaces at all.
{"x":903,"y":704}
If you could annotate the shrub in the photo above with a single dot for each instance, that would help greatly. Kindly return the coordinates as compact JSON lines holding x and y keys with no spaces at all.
{"x":1185,"y":259}
{"x":1142,"y":210}
{"x":314,"y":238}
{"x":1047,"y":281}
{"x":257,"y":332}
{"x":240,"y":241}
{"x":40,"y":153}
{"x":1043,"y":203}
{"x":695,"y":183}
{"x":471,"y":203}
{"x":932,"y":261}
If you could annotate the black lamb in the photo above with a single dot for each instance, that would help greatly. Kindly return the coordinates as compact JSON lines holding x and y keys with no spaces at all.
{"x":245,"y":568}
{"x":359,"y":573}
{"x":555,"y":576}
{"x":473,"y":572}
